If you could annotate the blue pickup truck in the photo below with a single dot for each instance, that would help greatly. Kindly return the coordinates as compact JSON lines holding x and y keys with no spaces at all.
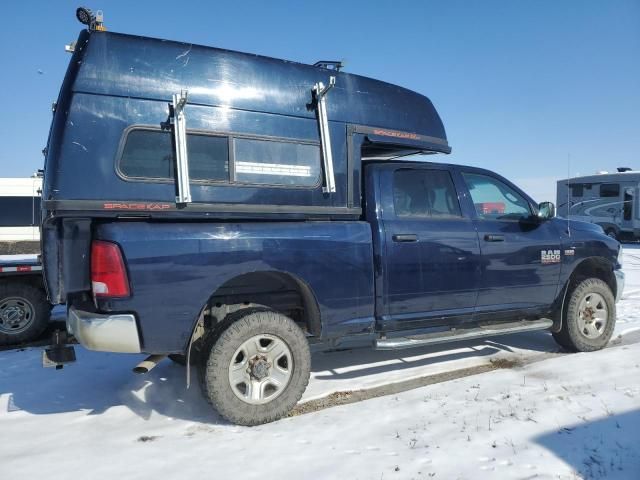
{"x":235,"y":212}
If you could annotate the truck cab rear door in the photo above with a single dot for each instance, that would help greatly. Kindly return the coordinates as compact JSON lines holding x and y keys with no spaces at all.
{"x":430,"y":264}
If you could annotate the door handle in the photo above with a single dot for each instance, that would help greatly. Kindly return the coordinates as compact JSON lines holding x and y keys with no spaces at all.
{"x":405,"y":237}
{"x":494,"y":238}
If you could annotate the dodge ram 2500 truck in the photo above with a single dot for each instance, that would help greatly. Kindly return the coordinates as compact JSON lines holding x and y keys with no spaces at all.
{"x":233,"y":210}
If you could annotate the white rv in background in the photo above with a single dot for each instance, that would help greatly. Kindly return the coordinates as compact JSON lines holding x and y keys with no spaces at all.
{"x":20,"y":209}
{"x":606,"y":199}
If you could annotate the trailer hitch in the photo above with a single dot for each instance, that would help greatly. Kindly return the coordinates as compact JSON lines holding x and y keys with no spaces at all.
{"x":59,"y":353}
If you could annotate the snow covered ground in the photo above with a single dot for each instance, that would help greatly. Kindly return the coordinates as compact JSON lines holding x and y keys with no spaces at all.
{"x":555,"y":416}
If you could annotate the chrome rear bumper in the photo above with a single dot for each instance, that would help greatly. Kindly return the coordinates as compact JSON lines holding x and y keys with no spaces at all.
{"x":104,"y":333}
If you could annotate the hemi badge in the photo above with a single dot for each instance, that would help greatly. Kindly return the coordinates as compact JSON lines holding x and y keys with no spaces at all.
{"x":569,"y":252}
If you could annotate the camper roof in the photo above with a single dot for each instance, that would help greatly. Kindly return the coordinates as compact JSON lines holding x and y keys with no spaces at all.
{"x":627,"y":176}
{"x":132,"y":66}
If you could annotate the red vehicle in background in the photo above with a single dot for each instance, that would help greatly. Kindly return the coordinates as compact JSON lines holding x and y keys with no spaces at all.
{"x":490,"y":208}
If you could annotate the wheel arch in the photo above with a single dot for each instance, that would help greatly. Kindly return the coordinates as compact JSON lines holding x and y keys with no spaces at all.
{"x":277,"y":290}
{"x":609,"y":227}
{"x":594,"y":267}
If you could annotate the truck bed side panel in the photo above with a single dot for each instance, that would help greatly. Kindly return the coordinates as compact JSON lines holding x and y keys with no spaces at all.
{"x":175,"y":267}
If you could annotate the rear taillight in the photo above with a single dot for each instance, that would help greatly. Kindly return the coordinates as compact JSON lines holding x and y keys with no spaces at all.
{"x":108,"y":275}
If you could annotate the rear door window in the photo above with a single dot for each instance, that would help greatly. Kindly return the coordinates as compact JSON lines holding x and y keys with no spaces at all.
{"x":425,"y":193}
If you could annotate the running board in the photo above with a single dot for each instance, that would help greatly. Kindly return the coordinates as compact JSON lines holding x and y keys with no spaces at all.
{"x":455,"y":335}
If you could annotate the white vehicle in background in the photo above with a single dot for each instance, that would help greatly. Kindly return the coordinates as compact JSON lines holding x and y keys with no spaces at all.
{"x":20,"y":213}
{"x":606,"y":199}
{"x":24,"y":308}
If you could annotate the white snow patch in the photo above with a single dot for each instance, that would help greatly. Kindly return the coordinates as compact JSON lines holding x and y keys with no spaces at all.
{"x":571,"y":416}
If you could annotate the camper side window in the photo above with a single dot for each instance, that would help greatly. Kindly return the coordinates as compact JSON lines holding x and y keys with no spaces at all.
{"x":577,"y":190}
{"x":610,"y":190}
{"x":271,"y":162}
{"x":148,"y":154}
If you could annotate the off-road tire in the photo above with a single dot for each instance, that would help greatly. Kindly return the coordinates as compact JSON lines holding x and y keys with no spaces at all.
{"x":35,"y":301}
{"x":570,"y":337}
{"x":219,"y":348}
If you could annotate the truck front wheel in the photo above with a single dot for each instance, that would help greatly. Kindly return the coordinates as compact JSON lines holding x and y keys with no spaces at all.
{"x":24,"y":313}
{"x":256,"y":369}
{"x":590,"y":317}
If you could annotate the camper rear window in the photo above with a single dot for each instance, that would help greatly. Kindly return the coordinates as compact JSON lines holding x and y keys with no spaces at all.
{"x":149,"y":154}
{"x":272,"y":162}
{"x":610,"y":190}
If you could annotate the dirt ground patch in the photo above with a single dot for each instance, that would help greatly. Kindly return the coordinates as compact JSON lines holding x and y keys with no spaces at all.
{"x":353,"y":396}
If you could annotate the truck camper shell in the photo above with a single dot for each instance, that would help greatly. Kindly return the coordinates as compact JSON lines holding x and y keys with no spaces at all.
{"x":252,"y":125}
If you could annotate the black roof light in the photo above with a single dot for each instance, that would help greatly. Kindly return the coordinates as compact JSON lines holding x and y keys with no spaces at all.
{"x":85,"y":16}
{"x":91,"y":20}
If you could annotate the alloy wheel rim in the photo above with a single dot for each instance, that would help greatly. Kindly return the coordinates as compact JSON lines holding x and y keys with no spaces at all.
{"x":260,"y":369}
{"x":16,"y":315}
{"x":593,"y":315}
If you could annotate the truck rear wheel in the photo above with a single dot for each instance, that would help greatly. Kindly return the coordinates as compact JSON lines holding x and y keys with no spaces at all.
{"x":256,"y":369}
{"x":589,"y":318}
{"x":24,"y":313}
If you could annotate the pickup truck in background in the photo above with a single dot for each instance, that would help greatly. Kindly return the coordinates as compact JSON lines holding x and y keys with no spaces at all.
{"x":24,"y":308}
{"x":236,"y":211}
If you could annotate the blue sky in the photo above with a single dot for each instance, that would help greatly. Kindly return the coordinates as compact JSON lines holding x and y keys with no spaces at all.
{"x":519,"y":85}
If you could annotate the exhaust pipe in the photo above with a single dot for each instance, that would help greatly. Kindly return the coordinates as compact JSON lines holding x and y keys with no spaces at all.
{"x":148,"y":363}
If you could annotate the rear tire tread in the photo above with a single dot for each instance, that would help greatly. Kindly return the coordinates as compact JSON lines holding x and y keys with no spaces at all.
{"x":222,"y":341}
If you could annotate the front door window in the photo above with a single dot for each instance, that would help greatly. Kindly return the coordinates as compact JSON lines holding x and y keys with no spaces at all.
{"x":495,"y":200}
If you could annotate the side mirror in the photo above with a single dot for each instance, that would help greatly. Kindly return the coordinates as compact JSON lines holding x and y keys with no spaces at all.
{"x":546,"y":210}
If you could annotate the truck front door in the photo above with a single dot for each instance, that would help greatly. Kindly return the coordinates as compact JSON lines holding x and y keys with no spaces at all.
{"x":521,"y":256}
{"x":430,"y":259}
